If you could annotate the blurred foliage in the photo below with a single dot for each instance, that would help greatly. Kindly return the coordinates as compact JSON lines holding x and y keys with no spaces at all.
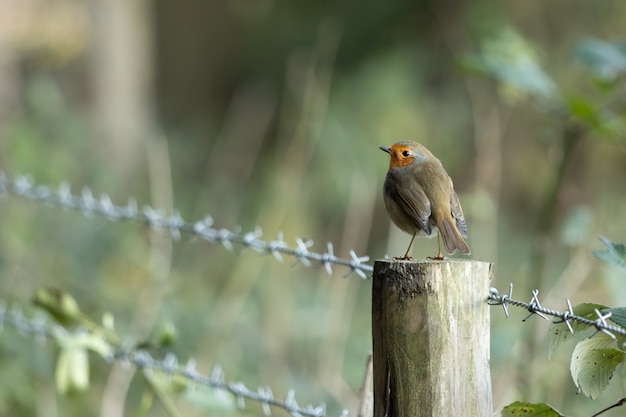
{"x":614,"y":254}
{"x":512,"y":61}
{"x":270,"y":114}
{"x":605,"y":60}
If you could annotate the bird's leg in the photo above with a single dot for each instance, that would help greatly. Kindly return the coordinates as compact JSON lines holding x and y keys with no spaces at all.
{"x":439,"y":256}
{"x":406,"y":256}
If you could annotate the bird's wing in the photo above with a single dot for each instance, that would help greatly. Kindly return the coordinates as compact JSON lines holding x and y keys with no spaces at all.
{"x":457,"y":211}
{"x":413,"y":201}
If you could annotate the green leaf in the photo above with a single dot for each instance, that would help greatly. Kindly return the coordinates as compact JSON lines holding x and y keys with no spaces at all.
{"x":511,"y":60}
{"x":618,"y":315}
{"x":522,"y":409}
{"x":593,"y":364}
{"x":87,"y":341}
{"x":108,"y":322}
{"x":605,"y":60}
{"x":584,"y":111}
{"x":60,"y":305}
{"x":167,"y":334}
{"x":95,"y":343}
{"x":601,"y":120}
{"x":614,"y":254}
{"x":588,"y":311}
{"x":72,"y":372}
{"x":559,"y":332}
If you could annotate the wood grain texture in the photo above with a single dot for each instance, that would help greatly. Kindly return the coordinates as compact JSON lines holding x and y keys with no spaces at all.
{"x":430,"y":329}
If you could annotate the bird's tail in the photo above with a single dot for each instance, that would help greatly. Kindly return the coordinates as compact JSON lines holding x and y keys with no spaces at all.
{"x":452,"y":239}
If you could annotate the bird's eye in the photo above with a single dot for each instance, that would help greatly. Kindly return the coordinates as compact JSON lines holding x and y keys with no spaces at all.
{"x":406,"y":153}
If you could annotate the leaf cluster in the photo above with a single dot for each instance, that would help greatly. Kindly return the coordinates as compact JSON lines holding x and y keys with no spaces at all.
{"x":514,"y":65}
{"x":77,"y":336}
{"x":596,"y":357}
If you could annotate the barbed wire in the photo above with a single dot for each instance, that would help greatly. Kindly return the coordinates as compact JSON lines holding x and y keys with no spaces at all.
{"x":535,"y":308}
{"x":24,"y":186}
{"x":43,"y":330}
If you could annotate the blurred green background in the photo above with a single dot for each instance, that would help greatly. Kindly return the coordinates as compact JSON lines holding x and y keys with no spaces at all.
{"x":270,"y":114}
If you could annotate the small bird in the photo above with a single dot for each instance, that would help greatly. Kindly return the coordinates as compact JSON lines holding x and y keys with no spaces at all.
{"x":420,"y":197}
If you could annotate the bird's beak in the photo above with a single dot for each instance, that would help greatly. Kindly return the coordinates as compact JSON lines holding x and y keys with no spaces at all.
{"x":385,"y":149}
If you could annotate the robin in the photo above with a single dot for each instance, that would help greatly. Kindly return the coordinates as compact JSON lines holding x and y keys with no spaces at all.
{"x":420,"y":198}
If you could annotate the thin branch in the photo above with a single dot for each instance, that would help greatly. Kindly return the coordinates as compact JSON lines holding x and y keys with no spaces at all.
{"x":617,"y":404}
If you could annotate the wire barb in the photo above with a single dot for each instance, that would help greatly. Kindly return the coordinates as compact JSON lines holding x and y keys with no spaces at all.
{"x":601,"y":324}
{"x":501,"y":300}
{"x":567,"y":315}
{"x":535,"y":307}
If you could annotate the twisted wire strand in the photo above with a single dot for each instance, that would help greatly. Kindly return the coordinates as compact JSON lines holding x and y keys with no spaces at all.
{"x":43,"y":330}
{"x":535,"y":307}
{"x":24,"y":186}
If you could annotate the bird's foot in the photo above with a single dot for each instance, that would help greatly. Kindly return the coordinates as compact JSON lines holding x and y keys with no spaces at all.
{"x":403,"y":258}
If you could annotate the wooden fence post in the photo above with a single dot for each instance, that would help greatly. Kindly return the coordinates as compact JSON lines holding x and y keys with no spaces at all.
{"x":430,"y":329}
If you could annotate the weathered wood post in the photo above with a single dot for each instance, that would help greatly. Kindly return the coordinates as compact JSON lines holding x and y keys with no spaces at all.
{"x":430,"y":329}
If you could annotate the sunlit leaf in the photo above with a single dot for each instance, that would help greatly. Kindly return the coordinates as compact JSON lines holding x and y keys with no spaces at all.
{"x":614,"y":254}
{"x":522,"y":409}
{"x":95,"y":343}
{"x":593,"y":364}
{"x":60,"y":305}
{"x":108,"y":322}
{"x":167,"y":334}
{"x":72,"y":371}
